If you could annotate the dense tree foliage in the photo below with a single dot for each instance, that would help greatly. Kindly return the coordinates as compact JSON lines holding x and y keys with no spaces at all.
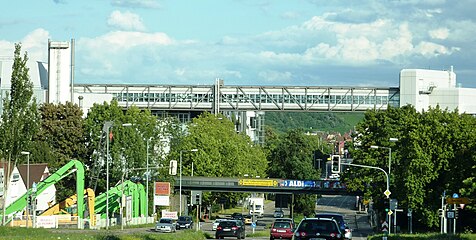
{"x":294,"y":151}
{"x":313,"y":121}
{"x":60,"y":139}
{"x":434,"y":153}
{"x":222,"y":152}
{"x":131,"y":133}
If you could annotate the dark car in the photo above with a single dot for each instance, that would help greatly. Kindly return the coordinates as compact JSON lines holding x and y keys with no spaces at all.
{"x":184,"y":222}
{"x":340,"y":220}
{"x":231,"y":228}
{"x":281,"y":230}
{"x":318,"y":228}
{"x":238,"y":216}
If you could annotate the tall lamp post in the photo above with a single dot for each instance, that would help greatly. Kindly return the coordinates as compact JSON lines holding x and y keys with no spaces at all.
{"x":180,"y":178}
{"x":147,"y":170}
{"x":27,"y":181}
{"x":389,"y":169}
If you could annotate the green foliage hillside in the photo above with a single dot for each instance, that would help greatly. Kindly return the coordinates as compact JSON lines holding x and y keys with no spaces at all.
{"x":312,"y":121}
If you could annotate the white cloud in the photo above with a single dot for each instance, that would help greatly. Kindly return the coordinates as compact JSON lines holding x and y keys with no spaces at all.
{"x":126,"y":21}
{"x":429,"y":49}
{"x":275,"y":76}
{"x":440,"y":33}
{"x":34,"y":43}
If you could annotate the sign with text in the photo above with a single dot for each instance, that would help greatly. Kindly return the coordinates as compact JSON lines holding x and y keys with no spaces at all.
{"x":462,"y":200}
{"x":167,"y":214}
{"x":46,"y":222}
{"x":162,"y":188}
{"x":161,"y":200}
{"x":258,"y":182}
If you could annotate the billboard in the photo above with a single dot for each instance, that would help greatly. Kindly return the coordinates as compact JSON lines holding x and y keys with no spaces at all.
{"x":161,"y":188}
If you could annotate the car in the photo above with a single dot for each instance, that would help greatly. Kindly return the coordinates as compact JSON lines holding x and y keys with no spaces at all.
{"x":318,"y":228}
{"x":238,"y":216}
{"x":185,"y":222}
{"x":340,"y":220}
{"x":231,"y":228}
{"x":248,"y":219}
{"x":215,"y":223}
{"x":281,"y":230}
{"x":290,"y":220}
{"x":278,"y":214}
{"x":165,"y":225}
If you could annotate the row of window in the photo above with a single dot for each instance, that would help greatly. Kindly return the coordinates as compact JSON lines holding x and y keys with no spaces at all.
{"x":252,"y":98}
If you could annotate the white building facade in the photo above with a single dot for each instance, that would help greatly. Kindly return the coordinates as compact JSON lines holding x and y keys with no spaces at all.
{"x":424,"y":88}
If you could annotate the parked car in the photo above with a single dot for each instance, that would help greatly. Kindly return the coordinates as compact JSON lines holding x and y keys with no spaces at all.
{"x":215,"y":224}
{"x":165,"y":225}
{"x":184,"y":222}
{"x":278,"y":214}
{"x":318,"y":228}
{"x":340,"y":220}
{"x":281,"y":230}
{"x":231,"y":228}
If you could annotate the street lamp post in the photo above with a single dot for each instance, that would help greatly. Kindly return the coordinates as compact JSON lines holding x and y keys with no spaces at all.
{"x":107,"y":128}
{"x":27,"y":181}
{"x":180,"y":178}
{"x":147,"y":171}
{"x":388,"y":181}
{"x":147,"y":181}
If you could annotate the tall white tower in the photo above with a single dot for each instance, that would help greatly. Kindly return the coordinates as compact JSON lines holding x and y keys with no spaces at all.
{"x":60,"y":71}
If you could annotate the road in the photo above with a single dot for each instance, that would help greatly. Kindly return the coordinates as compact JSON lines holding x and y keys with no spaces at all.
{"x":345,"y":205}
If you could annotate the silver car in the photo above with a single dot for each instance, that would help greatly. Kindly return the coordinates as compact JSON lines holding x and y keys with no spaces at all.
{"x":165,"y":225}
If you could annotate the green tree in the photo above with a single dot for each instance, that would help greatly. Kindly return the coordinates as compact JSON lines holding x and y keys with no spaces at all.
{"x":20,"y":116}
{"x":222,"y":152}
{"x":60,"y":139}
{"x":434,"y":154}
{"x":295,"y":150}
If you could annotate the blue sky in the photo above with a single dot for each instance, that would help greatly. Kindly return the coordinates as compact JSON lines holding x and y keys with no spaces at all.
{"x":249,"y":42}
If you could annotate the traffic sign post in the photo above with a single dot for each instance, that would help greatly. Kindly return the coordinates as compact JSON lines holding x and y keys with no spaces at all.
{"x":384,"y":228}
{"x":253,"y":225}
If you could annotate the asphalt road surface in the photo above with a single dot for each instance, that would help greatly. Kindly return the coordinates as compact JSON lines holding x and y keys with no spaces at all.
{"x":357,"y":221}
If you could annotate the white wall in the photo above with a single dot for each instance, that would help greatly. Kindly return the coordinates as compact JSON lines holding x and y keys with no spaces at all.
{"x":430,"y":88}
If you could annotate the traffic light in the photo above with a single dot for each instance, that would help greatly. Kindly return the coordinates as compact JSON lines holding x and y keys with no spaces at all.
{"x":197,"y":199}
{"x":335,"y":164}
{"x":440,"y":213}
{"x":456,"y":213}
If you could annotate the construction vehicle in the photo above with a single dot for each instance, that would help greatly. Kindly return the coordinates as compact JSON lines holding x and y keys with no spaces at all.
{"x":78,"y":168}
{"x":60,"y":208}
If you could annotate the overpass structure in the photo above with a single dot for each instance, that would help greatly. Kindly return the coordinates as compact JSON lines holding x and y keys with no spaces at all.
{"x":219,"y":97}
{"x":282,"y":186}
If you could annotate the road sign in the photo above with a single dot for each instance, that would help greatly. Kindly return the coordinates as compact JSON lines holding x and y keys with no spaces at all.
{"x":462,"y":200}
{"x":387,"y":193}
{"x":253,"y":224}
{"x":455,"y":195}
{"x":258,"y":182}
{"x":390,"y":212}
{"x":450,"y":214}
{"x":393,"y":204}
{"x":384,"y":226}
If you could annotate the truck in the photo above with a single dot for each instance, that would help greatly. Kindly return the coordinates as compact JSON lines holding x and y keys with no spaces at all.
{"x":256,"y":206}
